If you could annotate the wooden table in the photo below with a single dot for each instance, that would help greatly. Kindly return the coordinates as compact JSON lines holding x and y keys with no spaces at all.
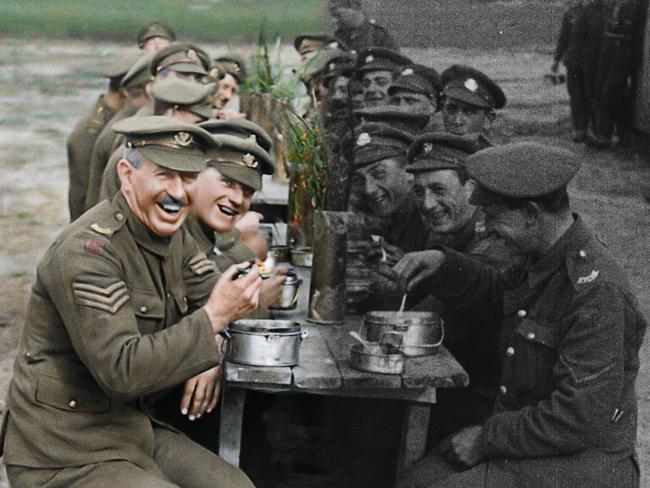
{"x":324,"y":369}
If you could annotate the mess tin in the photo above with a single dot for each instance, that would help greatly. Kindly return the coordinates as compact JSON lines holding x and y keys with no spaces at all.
{"x":289,"y":295}
{"x":265,"y":342}
{"x":422,"y":332}
{"x":379,"y":357}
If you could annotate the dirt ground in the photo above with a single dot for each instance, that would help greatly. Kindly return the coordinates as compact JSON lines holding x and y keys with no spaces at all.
{"x":45,"y":86}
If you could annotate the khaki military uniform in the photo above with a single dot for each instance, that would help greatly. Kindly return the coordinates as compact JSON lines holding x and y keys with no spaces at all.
{"x":101,"y":154}
{"x":110,"y":322}
{"x":80,"y":148}
{"x":570,"y":333}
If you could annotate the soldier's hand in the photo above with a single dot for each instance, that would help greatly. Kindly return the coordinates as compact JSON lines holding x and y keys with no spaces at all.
{"x":463,"y":449}
{"x":381,"y":251}
{"x":249,"y":222}
{"x":233,"y":298}
{"x":272,"y":287}
{"x":202,"y":393}
{"x":383,"y":280}
{"x":417,"y":267}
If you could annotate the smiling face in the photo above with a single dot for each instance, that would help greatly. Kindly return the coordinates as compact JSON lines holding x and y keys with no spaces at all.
{"x":443,"y":200}
{"x":375,"y":86}
{"x":514,"y":225}
{"x":227,"y":88}
{"x":218,"y":201}
{"x":461,"y":118}
{"x":156,"y":195}
{"x":383,"y":186}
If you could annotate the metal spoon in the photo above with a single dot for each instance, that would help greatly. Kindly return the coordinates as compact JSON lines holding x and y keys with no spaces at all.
{"x":357,"y":336}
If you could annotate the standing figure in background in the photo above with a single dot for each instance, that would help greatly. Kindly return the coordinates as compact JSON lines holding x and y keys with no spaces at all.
{"x":155,"y":36}
{"x":355,"y":30}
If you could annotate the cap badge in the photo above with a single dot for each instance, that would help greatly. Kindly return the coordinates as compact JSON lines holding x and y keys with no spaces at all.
{"x":363,"y":139}
{"x":471,"y":84}
{"x":407,"y":72}
{"x":334,"y":45}
{"x":252,"y":139}
{"x":427,"y":147}
{"x":249,"y":160}
{"x":183,"y":139}
{"x":370,"y":59}
{"x":192,"y":56}
{"x":214,"y":73}
{"x":332,"y":66}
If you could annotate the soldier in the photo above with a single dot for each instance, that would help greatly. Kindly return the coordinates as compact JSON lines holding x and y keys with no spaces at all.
{"x":355,"y":30}
{"x":313,"y":71}
{"x":569,"y":50}
{"x":125,"y":305}
{"x":134,"y":82}
{"x":417,"y":88}
{"x":442,"y":189}
{"x":155,"y":36}
{"x":309,"y":44}
{"x":81,"y":140}
{"x":376,"y":68}
{"x":469,"y":100}
{"x":186,"y":101}
{"x":228,"y":75}
{"x":180,"y":60}
{"x":569,"y":336}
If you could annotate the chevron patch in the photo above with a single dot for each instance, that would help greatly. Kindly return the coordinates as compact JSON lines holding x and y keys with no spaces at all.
{"x":200,"y":264}
{"x":106,"y":298}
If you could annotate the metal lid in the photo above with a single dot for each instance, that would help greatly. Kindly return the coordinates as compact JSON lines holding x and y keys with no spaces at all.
{"x":291,"y":277}
{"x":265,"y":326}
{"x":402,"y":318}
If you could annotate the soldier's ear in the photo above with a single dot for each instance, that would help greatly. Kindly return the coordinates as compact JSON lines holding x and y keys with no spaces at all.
{"x":124,"y":172}
{"x":533,"y":213}
{"x":470,"y":186}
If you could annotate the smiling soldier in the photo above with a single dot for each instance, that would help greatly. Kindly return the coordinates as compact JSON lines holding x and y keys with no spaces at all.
{"x":376,"y":69}
{"x":469,"y":100}
{"x":124,"y":305}
{"x":569,"y":336}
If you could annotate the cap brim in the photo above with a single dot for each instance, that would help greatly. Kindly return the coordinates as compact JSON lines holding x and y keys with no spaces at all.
{"x":467,"y":96}
{"x":204,"y":111}
{"x":186,"y":160}
{"x":482,"y":197}
{"x":187,"y":68}
{"x":241,"y":174}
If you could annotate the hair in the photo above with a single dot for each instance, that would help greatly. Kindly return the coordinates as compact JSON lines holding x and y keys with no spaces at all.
{"x":136,"y":92}
{"x":463,"y":175}
{"x":134,"y":157}
{"x":115,"y":83}
{"x":556,"y":202}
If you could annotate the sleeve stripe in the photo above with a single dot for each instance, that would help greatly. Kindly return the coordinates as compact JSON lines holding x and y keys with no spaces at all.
{"x":102,"y":306}
{"x":110,"y":300}
{"x":98,"y":290}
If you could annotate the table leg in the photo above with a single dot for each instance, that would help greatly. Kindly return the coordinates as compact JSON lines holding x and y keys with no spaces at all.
{"x":414,"y":436}
{"x":232,"y":416}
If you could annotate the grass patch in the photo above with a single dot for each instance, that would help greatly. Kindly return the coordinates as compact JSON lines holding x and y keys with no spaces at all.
{"x":206,"y":20}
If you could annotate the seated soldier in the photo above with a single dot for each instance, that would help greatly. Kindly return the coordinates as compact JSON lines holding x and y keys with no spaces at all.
{"x":376,"y":68}
{"x":155,"y":36}
{"x":469,"y":101}
{"x":569,"y":336}
{"x":417,"y":88}
{"x":124,"y":306}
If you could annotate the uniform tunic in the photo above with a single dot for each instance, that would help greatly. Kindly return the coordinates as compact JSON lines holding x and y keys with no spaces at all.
{"x":570,"y":332}
{"x":105,"y":328}
{"x":80,"y":148}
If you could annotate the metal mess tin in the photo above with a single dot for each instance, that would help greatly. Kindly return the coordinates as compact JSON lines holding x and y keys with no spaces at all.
{"x":378,"y":357}
{"x":422,"y":332}
{"x":265,"y":342}
{"x":289,"y":295}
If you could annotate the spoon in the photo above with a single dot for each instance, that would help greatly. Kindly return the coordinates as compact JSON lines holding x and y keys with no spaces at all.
{"x":401,"y":307}
{"x":357,"y":336}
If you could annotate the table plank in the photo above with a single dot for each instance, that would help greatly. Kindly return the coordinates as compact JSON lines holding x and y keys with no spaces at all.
{"x":339,"y":342}
{"x":275,"y":375}
{"x":232,"y":418}
{"x":439,"y":370}
{"x":317,"y":368}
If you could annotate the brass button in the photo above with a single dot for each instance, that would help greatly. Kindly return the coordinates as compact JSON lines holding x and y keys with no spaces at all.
{"x":510,"y":351}
{"x":119,"y":216}
{"x":521,"y":314}
{"x":185,"y":299}
{"x":168,"y":295}
{"x":531,"y":335}
{"x":582,"y":254}
{"x":73,"y":404}
{"x":144,"y":309}
{"x":503,"y":389}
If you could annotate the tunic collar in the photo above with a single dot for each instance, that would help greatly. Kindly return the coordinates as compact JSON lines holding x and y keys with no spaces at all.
{"x":203,"y":236}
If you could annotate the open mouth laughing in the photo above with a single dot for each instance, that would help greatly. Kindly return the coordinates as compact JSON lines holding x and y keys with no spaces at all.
{"x":227,"y":211}
{"x":171,"y":206}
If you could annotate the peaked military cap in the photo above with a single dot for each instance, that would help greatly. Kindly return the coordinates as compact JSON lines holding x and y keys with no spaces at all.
{"x":307,"y":43}
{"x":471,"y":86}
{"x":380,"y":59}
{"x":182,"y":57}
{"x":419,"y":79}
{"x":441,"y":150}
{"x":167,"y":142}
{"x":226,"y":65}
{"x":520,"y":170}
{"x":138,"y":75}
{"x":119,"y":67}
{"x":403,"y":118}
{"x":186,"y":95}
{"x":241,"y":128}
{"x":372,"y":142}
{"x":324,"y":60}
{"x":155,"y":29}
{"x":241,"y":159}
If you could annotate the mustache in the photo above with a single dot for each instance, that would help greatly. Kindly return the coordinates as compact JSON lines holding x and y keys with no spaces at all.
{"x":168,"y":200}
